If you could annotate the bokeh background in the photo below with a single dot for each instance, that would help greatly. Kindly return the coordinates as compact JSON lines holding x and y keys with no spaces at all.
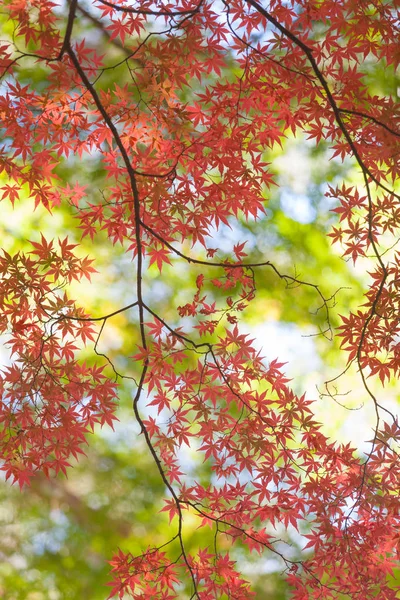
{"x":57,"y":536}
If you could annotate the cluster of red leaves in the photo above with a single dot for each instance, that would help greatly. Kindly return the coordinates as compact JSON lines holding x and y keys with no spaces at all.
{"x":50,"y":400}
{"x":273,"y":469}
{"x":208,"y":88}
{"x":371,"y":335}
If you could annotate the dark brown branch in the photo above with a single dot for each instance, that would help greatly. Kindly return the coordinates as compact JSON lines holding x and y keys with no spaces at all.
{"x":68,"y":31}
{"x":104,"y":318}
{"x":154,"y":13}
{"x":140,"y":303}
{"x":364,"y":115}
{"x":132,"y":178}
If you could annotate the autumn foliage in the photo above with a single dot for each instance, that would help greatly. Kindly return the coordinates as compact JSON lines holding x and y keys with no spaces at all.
{"x":208,"y":87}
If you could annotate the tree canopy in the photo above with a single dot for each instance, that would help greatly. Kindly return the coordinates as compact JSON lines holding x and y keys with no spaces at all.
{"x":151,"y":150}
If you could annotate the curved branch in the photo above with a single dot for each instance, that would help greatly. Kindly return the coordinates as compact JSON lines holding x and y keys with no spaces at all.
{"x":154,"y":13}
{"x":332,"y":102}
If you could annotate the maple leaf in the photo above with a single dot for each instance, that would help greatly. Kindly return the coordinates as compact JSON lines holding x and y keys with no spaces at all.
{"x":159,"y":257}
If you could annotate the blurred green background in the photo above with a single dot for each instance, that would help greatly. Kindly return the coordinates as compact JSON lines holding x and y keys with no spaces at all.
{"x":57,"y":536}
